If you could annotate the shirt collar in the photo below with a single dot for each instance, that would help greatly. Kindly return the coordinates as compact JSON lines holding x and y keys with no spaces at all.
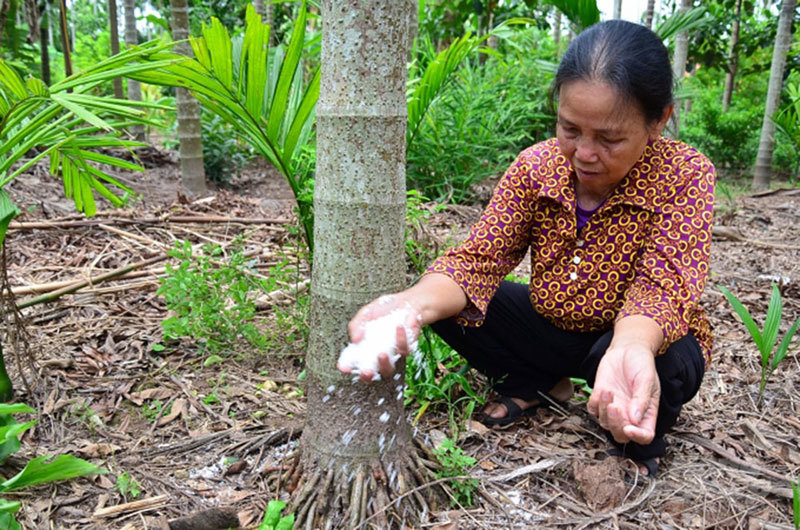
{"x":641,"y":187}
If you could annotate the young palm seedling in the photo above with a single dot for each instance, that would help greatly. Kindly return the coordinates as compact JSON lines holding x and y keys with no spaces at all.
{"x":765,"y":339}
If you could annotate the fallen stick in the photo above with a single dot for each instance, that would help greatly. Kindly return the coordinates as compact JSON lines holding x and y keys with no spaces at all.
{"x":732,"y":234}
{"x":53,"y":225}
{"x":721,"y":451}
{"x":133,"y":506}
{"x":39,"y":288}
{"x":69,"y":289}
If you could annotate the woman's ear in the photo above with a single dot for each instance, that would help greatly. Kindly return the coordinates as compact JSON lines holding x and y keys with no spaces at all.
{"x":657,"y":127}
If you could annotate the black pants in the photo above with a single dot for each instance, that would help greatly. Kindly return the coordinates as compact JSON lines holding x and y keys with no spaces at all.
{"x":522,"y":353}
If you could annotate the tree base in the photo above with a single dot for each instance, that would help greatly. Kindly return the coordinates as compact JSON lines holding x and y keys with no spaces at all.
{"x":342,"y":493}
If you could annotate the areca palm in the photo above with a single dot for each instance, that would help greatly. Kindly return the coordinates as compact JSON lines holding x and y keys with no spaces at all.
{"x":71,"y":127}
{"x":259,"y":91}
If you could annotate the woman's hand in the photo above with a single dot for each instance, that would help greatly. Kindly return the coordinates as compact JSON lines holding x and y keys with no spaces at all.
{"x":382,"y":306}
{"x":433,"y":298}
{"x":626,"y":394}
{"x":626,"y":390}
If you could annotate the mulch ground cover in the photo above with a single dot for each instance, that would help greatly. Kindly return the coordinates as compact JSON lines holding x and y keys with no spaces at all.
{"x":105,"y":395}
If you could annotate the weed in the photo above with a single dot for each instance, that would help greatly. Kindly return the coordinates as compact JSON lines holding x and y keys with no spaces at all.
{"x":127,"y":486}
{"x":272,"y":517}
{"x":441,"y":378}
{"x":213,"y":300}
{"x":154,"y":410}
{"x":224,"y":155}
{"x":765,"y":340}
{"x":455,"y":463}
{"x":796,"y":504}
{"x":417,"y":252}
{"x":38,"y":470}
{"x":583,"y":387}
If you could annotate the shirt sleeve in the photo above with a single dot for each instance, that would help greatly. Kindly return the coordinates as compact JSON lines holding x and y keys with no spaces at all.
{"x":496,"y":243}
{"x":673,"y":267}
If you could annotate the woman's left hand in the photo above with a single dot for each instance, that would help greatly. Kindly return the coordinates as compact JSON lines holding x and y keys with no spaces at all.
{"x":626,"y":393}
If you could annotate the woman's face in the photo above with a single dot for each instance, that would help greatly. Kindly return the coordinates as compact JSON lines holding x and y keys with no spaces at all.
{"x":601,"y":134}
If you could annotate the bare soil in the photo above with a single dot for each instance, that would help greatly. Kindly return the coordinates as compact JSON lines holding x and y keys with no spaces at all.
{"x":97,"y":380}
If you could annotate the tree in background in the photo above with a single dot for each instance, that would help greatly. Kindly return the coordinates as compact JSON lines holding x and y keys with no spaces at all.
{"x":617,"y":8}
{"x":679,"y":57}
{"x":193,"y":176}
{"x":783,"y":39}
{"x":132,"y":39}
{"x":733,"y":58}
{"x":113,"y":24}
{"x":648,"y":17}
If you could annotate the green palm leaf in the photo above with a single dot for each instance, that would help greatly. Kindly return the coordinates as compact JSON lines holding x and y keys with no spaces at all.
{"x":582,"y":13}
{"x":683,"y":21}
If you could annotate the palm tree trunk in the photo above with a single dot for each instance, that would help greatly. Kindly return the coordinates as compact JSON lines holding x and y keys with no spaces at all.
{"x":651,"y":9}
{"x":190,"y":133}
{"x":65,"y":38}
{"x":557,"y":29}
{"x":355,"y":431}
{"x":113,"y":23}
{"x":733,"y":59}
{"x":44,"y":42}
{"x":679,"y":69}
{"x":131,"y":39}
{"x":617,"y":8}
{"x":766,"y":144}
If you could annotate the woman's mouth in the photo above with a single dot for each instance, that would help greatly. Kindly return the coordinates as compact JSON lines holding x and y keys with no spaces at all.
{"x":586,"y":174}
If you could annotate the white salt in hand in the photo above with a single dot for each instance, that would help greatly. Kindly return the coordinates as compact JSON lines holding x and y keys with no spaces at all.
{"x":380,"y":336}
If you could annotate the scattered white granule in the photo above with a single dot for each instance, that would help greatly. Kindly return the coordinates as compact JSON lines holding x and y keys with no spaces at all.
{"x":397,"y":376}
{"x":380,"y":336}
{"x":380,"y":401}
{"x":348,"y":436}
{"x":384,"y":417}
{"x":325,"y":398}
{"x":357,"y":411}
{"x":331,"y":389}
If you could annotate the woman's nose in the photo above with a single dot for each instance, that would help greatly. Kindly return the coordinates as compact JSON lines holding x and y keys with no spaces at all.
{"x":585,"y":150}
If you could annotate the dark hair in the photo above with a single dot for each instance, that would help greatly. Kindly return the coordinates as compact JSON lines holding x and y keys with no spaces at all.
{"x":626,"y":56}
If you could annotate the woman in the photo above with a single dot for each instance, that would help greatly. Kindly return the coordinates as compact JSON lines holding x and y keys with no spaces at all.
{"x":618,"y":221}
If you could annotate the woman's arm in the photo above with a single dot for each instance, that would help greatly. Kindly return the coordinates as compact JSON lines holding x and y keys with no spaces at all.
{"x":433,"y":298}
{"x":626,"y":388}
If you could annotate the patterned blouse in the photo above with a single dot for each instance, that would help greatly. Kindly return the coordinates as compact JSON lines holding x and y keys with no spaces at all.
{"x":645,"y":251}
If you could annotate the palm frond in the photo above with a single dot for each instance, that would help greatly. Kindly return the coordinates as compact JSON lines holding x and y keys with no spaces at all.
{"x":582,"y":13}
{"x":683,"y":21}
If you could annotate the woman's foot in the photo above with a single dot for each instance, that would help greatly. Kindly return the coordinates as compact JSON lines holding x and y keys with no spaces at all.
{"x":561,"y":392}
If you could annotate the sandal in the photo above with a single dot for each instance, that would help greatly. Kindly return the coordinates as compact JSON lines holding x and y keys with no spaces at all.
{"x":651,"y":464}
{"x":514,"y":412}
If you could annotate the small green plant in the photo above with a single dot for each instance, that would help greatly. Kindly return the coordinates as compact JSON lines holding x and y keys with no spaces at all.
{"x":455,"y":463}
{"x":417,"y":252}
{"x":224,"y":154}
{"x":154,"y":410}
{"x":212,"y":297}
{"x":127,"y":486}
{"x":796,"y":504}
{"x":38,"y":470}
{"x":272,"y":517}
{"x":441,"y":378}
{"x":583,"y":387}
{"x":765,"y":340}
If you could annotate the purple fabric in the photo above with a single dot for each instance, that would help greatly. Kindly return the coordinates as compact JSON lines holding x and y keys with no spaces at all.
{"x":584,"y":215}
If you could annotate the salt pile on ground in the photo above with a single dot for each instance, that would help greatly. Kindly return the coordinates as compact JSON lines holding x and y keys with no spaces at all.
{"x":380,"y":336}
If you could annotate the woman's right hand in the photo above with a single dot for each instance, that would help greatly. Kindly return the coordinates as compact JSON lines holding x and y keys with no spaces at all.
{"x":379,"y":307}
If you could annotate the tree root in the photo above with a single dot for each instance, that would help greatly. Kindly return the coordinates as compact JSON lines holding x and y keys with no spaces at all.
{"x":376,"y":494}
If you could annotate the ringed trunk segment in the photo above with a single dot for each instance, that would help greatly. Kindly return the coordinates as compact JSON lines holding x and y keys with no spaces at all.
{"x":356,"y":456}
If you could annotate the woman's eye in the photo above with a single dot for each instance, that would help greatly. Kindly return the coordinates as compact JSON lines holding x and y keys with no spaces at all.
{"x":611,"y":141}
